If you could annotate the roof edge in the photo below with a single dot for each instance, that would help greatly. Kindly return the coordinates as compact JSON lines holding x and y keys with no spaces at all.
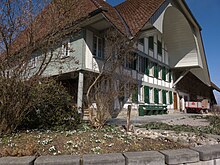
{"x":215,"y":87}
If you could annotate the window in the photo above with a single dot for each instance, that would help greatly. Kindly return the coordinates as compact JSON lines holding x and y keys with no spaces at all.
{"x":135,"y":95}
{"x":164,"y":73}
{"x":151,"y":95}
{"x":159,"y":72}
{"x":98,"y":47}
{"x":160,"y":96}
{"x":142,"y":64}
{"x":131,"y":62}
{"x":170,"y":76}
{"x":167,"y":75}
{"x":159,"y":47}
{"x":141,"y":99}
{"x":146,"y":67}
{"x":168,"y":98}
{"x":33,"y":62}
{"x":151,"y":68}
{"x":151,"y":43}
{"x":65,"y":49}
{"x":141,"y":41}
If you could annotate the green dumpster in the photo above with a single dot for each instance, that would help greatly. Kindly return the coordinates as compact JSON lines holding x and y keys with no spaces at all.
{"x":141,"y":110}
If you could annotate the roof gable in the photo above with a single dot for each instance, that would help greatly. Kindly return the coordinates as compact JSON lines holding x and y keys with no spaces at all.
{"x":136,"y":13}
{"x":112,"y":15}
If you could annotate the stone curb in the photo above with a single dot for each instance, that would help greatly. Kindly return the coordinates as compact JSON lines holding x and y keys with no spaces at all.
{"x":58,"y":160}
{"x":107,"y":159}
{"x":26,"y":160}
{"x":143,"y":158}
{"x":204,"y":155}
{"x":180,"y":156}
{"x":209,"y":152}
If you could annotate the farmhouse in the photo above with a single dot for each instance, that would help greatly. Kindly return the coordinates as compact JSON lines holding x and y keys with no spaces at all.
{"x":170,"y":61}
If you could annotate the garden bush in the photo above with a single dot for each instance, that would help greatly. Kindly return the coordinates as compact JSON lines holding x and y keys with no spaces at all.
{"x":32,"y":105}
{"x":51,"y":108}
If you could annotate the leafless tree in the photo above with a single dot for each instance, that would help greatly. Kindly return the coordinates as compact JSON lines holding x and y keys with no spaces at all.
{"x":108,"y":85}
{"x":25,"y":27}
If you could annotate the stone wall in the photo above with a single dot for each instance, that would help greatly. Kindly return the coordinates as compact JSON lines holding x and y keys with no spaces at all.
{"x":204,"y":155}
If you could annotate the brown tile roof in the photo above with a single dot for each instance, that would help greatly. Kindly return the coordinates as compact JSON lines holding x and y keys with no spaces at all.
{"x":128,"y":17}
{"x":49,"y":18}
{"x":136,"y":13}
{"x":112,"y":15}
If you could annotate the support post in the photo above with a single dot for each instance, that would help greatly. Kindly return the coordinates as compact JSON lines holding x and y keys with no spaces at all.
{"x":80,"y":93}
{"x":128,"y":118}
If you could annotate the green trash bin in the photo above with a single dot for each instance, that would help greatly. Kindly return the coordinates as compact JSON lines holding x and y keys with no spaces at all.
{"x":141,"y":110}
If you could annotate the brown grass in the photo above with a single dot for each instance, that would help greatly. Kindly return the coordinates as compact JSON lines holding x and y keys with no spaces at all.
{"x":78,"y":143}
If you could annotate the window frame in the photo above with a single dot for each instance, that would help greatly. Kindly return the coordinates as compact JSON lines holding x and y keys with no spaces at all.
{"x":98,"y":51}
{"x":159,"y":48}
{"x":33,"y":62}
{"x":141,"y":41}
{"x":151,"y":43}
{"x":65,"y":48}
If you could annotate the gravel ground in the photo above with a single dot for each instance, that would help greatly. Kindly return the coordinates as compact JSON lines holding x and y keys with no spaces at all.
{"x":172,"y":119}
{"x":186,"y":138}
{"x":187,"y":120}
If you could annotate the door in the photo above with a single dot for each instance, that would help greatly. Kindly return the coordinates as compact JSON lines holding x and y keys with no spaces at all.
{"x":175,"y":101}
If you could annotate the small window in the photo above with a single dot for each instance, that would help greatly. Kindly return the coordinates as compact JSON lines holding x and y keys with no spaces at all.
{"x":160,"y":96}
{"x":151,"y":43}
{"x":142,"y":64}
{"x":159,"y":72}
{"x":159,"y":47}
{"x":164,"y":93}
{"x":33,"y":62}
{"x":98,"y":47}
{"x":65,"y":49}
{"x":151,"y":95}
{"x":131,"y":62}
{"x":141,"y":41}
{"x":167,"y":75}
{"x":151,"y":68}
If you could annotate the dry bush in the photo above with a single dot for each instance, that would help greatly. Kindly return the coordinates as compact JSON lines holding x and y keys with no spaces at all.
{"x":108,"y":85}
{"x":23,"y":31}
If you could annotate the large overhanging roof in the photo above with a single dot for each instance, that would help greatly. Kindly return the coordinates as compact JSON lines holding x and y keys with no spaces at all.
{"x":215,"y":87}
{"x":183,"y":39}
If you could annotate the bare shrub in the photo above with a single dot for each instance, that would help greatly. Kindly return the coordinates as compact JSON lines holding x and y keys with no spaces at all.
{"x":108,"y":85}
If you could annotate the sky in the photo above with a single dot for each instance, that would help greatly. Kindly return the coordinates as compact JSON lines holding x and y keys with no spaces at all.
{"x":207,"y":13}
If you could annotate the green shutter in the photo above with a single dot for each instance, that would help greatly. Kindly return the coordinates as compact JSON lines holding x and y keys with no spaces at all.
{"x":171,"y":97}
{"x":147,"y":68}
{"x":164,"y":96}
{"x":135,"y":95}
{"x":156,"y":96}
{"x":155,"y":70}
{"x":164,"y":73}
{"x":146,"y":94}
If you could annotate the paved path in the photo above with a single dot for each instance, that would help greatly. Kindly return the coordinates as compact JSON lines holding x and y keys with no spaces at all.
{"x":174,"y":119}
